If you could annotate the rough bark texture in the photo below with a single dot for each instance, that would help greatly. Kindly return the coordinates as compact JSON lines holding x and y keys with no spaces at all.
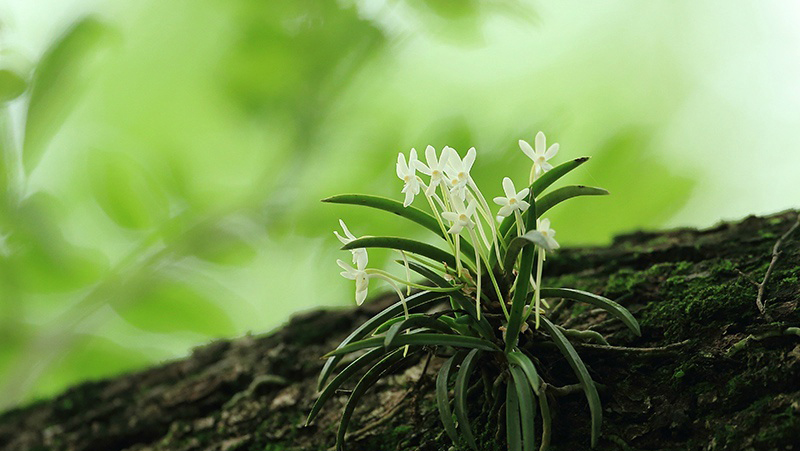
{"x":727,"y":381}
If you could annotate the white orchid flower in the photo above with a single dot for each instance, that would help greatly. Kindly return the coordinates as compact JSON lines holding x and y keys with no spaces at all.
{"x":360,"y":257}
{"x":548,"y":233}
{"x":408,"y":174}
{"x":435,"y":168}
{"x":514,"y":201}
{"x":360,"y":276}
{"x":457,"y":171}
{"x":461,"y":217}
{"x":540,"y":154}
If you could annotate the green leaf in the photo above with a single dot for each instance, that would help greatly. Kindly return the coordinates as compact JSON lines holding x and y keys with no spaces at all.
{"x":367,"y":381}
{"x":522,"y":283}
{"x":483,"y":326}
{"x":126,"y":192}
{"x":518,"y":243}
{"x":385,"y":326}
{"x":542,"y":183}
{"x":443,"y":400}
{"x":582,"y":373}
{"x":527,"y":408}
{"x":456,"y":341}
{"x":560,"y":195}
{"x":513,"y":432}
{"x":392,"y":206}
{"x":12,"y":85}
{"x":340,"y":378}
{"x":58,"y":80}
{"x":548,"y":178}
{"x":403,"y":244}
{"x":614,"y":309}
{"x":428,"y":273}
{"x":524,"y":362}
{"x":460,"y":395}
{"x":424,"y":322}
{"x":413,"y":301}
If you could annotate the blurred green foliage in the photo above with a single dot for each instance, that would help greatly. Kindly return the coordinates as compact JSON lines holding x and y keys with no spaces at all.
{"x":162,"y":165}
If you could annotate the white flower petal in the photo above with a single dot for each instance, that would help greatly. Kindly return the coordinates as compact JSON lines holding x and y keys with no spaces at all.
{"x":421,"y":167}
{"x":551,"y":152}
{"x":527,"y":149}
{"x":541,"y":143}
{"x":498,"y":200}
{"x":469,"y":160}
{"x":409,"y":196}
{"x":450,"y":216}
{"x":508,"y":188}
{"x":505,"y":210}
{"x":401,"y":167}
{"x":523,"y":206}
{"x":522,"y":195}
{"x":361,"y":296}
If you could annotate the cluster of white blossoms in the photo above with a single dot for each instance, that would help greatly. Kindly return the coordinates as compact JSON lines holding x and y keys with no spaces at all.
{"x":460,"y":209}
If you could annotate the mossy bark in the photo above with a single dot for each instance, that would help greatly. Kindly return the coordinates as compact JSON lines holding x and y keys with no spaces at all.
{"x":719,"y":375}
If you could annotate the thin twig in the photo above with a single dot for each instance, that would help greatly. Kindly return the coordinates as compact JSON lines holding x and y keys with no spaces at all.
{"x":660,"y":350}
{"x":775,"y":254}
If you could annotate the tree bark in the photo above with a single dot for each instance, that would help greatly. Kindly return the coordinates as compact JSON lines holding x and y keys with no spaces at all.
{"x":709,"y":372}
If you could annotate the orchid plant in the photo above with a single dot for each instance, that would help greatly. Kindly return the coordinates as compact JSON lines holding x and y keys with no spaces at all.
{"x":482,"y":300}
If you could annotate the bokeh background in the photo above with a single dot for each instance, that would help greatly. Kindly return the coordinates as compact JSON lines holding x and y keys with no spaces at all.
{"x":162,"y":162}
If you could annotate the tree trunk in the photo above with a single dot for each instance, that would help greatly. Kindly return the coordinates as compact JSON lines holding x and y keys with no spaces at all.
{"x":710,"y":371}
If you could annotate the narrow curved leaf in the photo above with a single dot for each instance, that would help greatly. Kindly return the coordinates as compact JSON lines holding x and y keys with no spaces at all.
{"x":429,"y":274}
{"x":443,"y":400}
{"x":522,"y":283}
{"x":424,"y":321}
{"x":613,"y":309}
{"x":456,"y":341}
{"x":392,"y":206}
{"x":582,"y":373}
{"x":460,"y":395}
{"x":542,"y":183}
{"x":524,"y":362}
{"x":527,"y":408}
{"x":412,"y":302}
{"x":385,"y":326}
{"x":551,"y":176}
{"x":483,"y":326}
{"x":340,"y":378}
{"x":518,"y":243}
{"x":567,"y":192}
{"x":513,"y":432}
{"x":367,"y":381}
{"x":403,"y":244}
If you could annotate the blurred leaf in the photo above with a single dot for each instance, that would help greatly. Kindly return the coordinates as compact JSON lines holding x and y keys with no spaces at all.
{"x":221,"y":244}
{"x":11,"y":85}
{"x":657,"y":190}
{"x":125,"y":191}
{"x":40,"y":257}
{"x":166,"y":306}
{"x":58,"y":82}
